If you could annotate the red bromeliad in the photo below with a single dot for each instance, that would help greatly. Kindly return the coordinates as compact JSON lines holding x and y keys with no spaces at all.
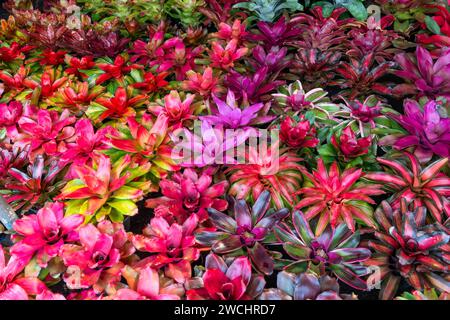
{"x":46,"y":85}
{"x":15,"y":82}
{"x":263,"y":172}
{"x":76,"y":66}
{"x":424,"y":186}
{"x":86,"y":262}
{"x":440,"y":40}
{"x":298,"y":134}
{"x":227,"y":282}
{"x":172,"y":247}
{"x":43,"y":234}
{"x":104,"y":189}
{"x":146,"y":141}
{"x":46,"y":132}
{"x":120,"y":106}
{"x":203,"y":84}
{"x":115,"y":70}
{"x":336,"y":196}
{"x":152,"y":83}
{"x":52,"y":58}
{"x":13,"y":287}
{"x":349,"y":145}
{"x":405,"y":247}
{"x":13,"y":52}
{"x":76,"y":96}
{"x":361,"y":76}
{"x":146,"y":285}
{"x":189,"y":193}
{"x":224,"y":58}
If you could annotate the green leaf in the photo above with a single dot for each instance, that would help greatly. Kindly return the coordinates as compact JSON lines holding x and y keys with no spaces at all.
{"x":125,"y":207}
{"x":309,"y":115}
{"x":316,"y":95}
{"x":401,"y":26}
{"x":323,"y":133}
{"x":32,"y":269}
{"x":346,"y":275}
{"x":354,"y":163}
{"x":432,"y":25}
{"x":2,"y":134}
{"x":291,"y":5}
{"x":136,"y":74}
{"x":208,"y":238}
{"x":327,"y":150}
{"x":126,"y":192}
{"x":404,"y":16}
{"x":355,"y":7}
{"x":75,"y":207}
{"x":95,"y":110}
{"x":92,"y":72}
{"x":102,"y":213}
{"x":115,"y":216}
{"x":297,"y":267}
{"x":112,"y":87}
{"x":285,"y":235}
{"x":281,"y":264}
{"x":297,"y":251}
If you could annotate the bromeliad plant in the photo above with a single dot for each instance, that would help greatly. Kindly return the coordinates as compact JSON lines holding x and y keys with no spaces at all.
{"x":172,"y":247}
{"x":187,"y":194}
{"x":34,"y":185}
{"x":293,"y":99}
{"x":146,"y":284}
{"x":335,"y":251}
{"x":406,"y":247}
{"x":226,"y":280}
{"x":147,"y":142}
{"x":277,"y":171}
{"x":348,"y":149}
{"x":93,"y":258}
{"x":298,"y":134}
{"x":246,"y":233}
{"x":44,"y":234}
{"x":429,"y":294}
{"x":119,"y":106}
{"x":334,"y":196}
{"x":231,"y":116}
{"x":105,"y":189}
{"x":46,"y":132}
{"x":427,"y":132}
{"x":407,"y":179}
{"x":320,"y":45}
{"x":424,"y":75}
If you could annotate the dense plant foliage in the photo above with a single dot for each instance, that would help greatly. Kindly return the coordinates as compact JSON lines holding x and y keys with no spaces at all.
{"x":225,"y":149}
